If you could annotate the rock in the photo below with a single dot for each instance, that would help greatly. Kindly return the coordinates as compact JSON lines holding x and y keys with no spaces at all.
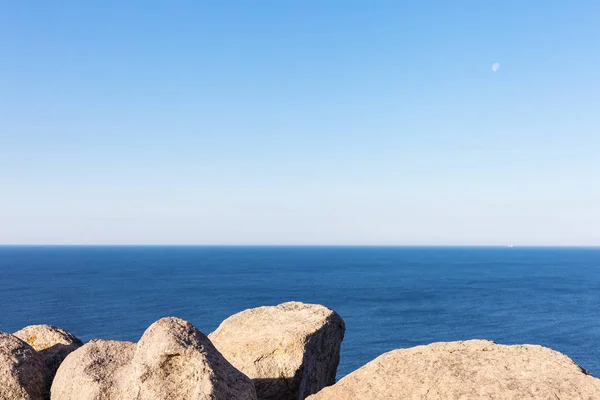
{"x":290,"y":351}
{"x":474,"y":369}
{"x":97,"y":371}
{"x":22,"y":374}
{"x":53,"y":345}
{"x":172,"y":360}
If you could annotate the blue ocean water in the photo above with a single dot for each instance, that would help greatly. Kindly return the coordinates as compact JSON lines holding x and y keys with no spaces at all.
{"x":390,"y":297}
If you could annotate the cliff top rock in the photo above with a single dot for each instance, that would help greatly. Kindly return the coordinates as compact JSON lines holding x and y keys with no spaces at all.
{"x":172,"y":360}
{"x":290,"y":351}
{"x":474,"y":369}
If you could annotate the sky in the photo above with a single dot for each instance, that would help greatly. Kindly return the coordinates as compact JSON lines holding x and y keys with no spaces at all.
{"x":300,"y":122}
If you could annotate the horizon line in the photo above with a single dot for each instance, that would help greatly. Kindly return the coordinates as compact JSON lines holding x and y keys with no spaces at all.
{"x":291,"y":245}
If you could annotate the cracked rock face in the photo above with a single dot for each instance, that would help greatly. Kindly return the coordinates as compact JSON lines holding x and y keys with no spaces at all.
{"x":172,"y":360}
{"x":474,"y":369}
{"x":22,"y":373}
{"x":52,"y":344}
{"x":289,"y":351}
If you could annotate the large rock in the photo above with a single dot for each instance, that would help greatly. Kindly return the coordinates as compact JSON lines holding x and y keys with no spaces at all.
{"x":99,"y":370}
{"x":172,"y":360}
{"x":53,"y":345}
{"x":290,"y":351}
{"x":474,"y":369}
{"x":22,"y":375}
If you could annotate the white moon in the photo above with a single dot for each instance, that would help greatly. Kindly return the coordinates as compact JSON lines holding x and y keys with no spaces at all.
{"x":495,"y":67}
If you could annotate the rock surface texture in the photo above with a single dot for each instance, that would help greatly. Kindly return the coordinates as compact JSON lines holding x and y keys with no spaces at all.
{"x":99,"y":370}
{"x":52,"y":344}
{"x":172,"y":360}
{"x":290,"y":351}
{"x":22,"y":373}
{"x":474,"y":369}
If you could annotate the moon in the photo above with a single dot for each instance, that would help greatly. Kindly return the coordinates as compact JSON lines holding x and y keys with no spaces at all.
{"x":495,"y":67}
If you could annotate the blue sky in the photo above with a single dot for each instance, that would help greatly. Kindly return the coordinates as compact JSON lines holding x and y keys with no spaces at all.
{"x":300,"y":122}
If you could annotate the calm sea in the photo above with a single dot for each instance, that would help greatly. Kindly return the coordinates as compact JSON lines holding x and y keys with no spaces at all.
{"x":389,"y":297}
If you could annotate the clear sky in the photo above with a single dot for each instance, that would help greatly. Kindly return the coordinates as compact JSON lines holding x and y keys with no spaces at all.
{"x":300,"y":122}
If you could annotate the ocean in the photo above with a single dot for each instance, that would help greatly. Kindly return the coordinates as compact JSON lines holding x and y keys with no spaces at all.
{"x":389,"y":297}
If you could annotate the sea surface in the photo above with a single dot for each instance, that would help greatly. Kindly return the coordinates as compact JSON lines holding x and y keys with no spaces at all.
{"x":390,"y":297}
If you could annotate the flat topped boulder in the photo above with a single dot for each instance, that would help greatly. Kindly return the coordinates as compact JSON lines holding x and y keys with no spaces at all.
{"x":290,"y":351}
{"x":474,"y":369}
{"x":172,"y":360}
{"x":53,"y":345}
{"x":22,"y":373}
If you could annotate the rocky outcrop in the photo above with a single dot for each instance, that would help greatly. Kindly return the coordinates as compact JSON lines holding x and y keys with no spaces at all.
{"x":474,"y":369}
{"x":22,"y":374}
{"x":172,"y":360}
{"x":289,"y":351}
{"x":52,"y":344}
{"x":100,"y":370}
{"x":285,"y":352}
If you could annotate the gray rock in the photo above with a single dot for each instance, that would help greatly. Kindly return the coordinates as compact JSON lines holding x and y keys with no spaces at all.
{"x":22,"y":374}
{"x":474,"y":369}
{"x":52,"y":344}
{"x":290,"y":351}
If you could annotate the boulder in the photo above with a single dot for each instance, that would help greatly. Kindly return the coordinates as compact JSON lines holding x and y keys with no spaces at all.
{"x":22,"y":374}
{"x":52,"y":344}
{"x":290,"y":351}
{"x":172,"y":360}
{"x":97,"y":371}
{"x":474,"y":369}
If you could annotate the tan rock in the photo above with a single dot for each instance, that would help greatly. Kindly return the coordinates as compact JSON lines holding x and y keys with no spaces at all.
{"x":97,"y":371}
{"x":53,"y":345}
{"x":474,"y":369}
{"x":22,"y":374}
{"x":174,"y":360}
{"x":290,"y":351}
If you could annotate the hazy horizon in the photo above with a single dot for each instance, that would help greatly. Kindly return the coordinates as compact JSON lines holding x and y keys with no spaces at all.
{"x":283,"y":123}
